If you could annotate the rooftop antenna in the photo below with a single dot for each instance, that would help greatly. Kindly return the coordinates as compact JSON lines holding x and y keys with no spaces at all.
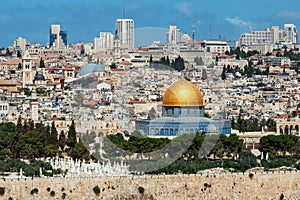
{"x":210,"y":30}
{"x":124,"y":10}
{"x":193,"y":30}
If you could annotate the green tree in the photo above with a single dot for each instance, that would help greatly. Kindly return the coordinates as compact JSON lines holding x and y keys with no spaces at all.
{"x":80,"y":152}
{"x":30,"y":146}
{"x":19,"y":124}
{"x":42,"y":63}
{"x":47,"y":135}
{"x":30,"y":125}
{"x":223,"y":75}
{"x":19,"y":55}
{"x":62,"y":140}
{"x":168,"y":61}
{"x":72,"y":139}
{"x":179,"y":64}
{"x":19,"y":66}
{"x":40,"y":128}
{"x":50,"y":150}
{"x":53,"y":135}
{"x":113,"y":66}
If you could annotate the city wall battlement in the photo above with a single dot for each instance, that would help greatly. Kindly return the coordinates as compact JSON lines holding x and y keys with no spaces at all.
{"x":261,"y":185}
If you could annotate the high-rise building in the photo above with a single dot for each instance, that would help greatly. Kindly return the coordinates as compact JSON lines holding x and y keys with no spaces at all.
{"x":290,"y":33}
{"x":173,"y":36}
{"x":105,"y":42}
{"x":58,"y":38}
{"x":125,"y":32}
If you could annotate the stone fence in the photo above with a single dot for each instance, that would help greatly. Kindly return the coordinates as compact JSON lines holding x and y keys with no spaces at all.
{"x":208,"y":185}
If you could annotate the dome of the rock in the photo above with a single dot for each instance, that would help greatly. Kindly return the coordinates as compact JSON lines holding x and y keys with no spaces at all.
{"x":183,"y":93}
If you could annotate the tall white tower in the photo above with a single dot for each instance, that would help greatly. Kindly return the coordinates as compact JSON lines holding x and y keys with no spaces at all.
{"x":27,"y":73}
{"x":125,"y":32}
{"x":173,"y":36}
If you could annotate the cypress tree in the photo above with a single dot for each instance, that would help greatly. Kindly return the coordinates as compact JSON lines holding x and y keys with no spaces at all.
{"x":42,"y":64}
{"x":62,"y":140}
{"x":19,"y":125}
{"x":25,"y":127}
{"x":71,"y":141}
{"x":47,"y":135}
{"x":31,"y":125}
{"x":39,"y":127}
{"x":53,"y":135}
{"x":223,"y":75}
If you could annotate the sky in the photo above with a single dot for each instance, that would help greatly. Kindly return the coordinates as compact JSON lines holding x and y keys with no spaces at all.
{"x":84,"y":19}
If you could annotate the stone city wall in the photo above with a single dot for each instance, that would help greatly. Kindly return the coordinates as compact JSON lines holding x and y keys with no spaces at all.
{"x":202,"y":186}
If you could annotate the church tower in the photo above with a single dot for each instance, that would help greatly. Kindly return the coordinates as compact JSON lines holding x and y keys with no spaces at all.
{"x":27,"y":73}
{"x":117,"y":45}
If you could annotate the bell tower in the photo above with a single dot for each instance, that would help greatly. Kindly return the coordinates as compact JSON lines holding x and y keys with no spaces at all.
{"x":27,"y":73}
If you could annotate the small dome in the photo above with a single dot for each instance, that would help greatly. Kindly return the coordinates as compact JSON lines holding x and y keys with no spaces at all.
{"x":39,"y":77}
{"x":183,"y":93}
{"x":90,"y":68}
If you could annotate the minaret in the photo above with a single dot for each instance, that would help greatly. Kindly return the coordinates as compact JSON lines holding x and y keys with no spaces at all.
{"x":34,"y":110}
{"x":27,"y":73}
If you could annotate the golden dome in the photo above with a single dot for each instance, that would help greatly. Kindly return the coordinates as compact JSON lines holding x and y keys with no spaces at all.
{"x":183,"y":93}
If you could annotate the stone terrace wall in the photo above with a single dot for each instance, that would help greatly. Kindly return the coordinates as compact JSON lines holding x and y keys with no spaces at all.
{"x":206,"y":186}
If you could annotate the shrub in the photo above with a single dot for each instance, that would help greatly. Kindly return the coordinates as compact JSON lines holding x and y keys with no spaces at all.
{"x":2,"y":191}
{"x":34,"y":191}
{"x":48,"y":189}
{"x":297,"y":166}
{"x":281,"y":196}
{"x":251,"y":175}
{"x":63,"y":195}
{"x":10,"y":198}
{"x":62,"y":189}
{"x":141,"y":190}
{"x":52,"y":193}
{"x":280,"y":162}
{"x":96,"y":190}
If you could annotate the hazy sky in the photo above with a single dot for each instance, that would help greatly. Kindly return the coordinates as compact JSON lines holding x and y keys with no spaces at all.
{"x":84,"y":19}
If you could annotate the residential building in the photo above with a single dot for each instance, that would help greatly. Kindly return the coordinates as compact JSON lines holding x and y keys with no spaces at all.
{"x":271,"y":35}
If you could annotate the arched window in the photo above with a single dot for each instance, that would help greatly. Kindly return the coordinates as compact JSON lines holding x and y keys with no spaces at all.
{"x":286,"y":129}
